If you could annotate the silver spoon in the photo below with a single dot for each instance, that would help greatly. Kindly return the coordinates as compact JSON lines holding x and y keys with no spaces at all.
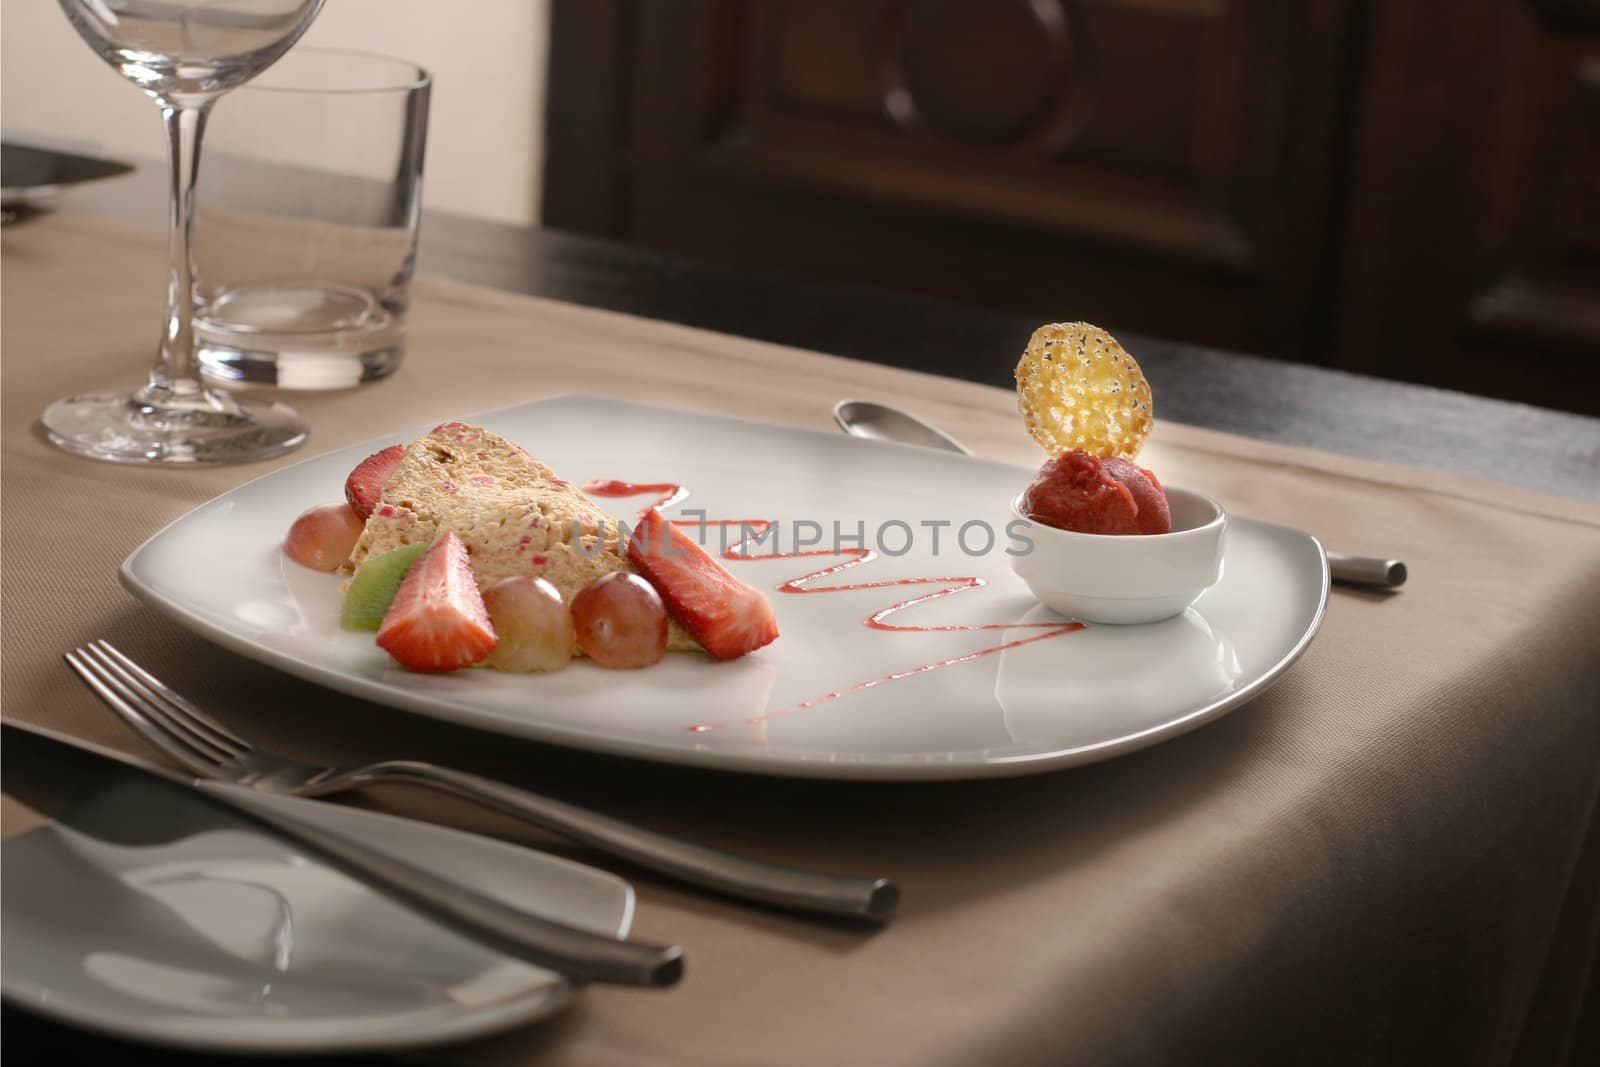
{"x":864,"y":418}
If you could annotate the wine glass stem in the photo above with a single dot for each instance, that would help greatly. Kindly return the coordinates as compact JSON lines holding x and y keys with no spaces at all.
{"x":177,"y":370}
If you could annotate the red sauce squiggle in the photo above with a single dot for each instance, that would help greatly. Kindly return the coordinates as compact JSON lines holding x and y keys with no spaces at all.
{"x":670,"y":493}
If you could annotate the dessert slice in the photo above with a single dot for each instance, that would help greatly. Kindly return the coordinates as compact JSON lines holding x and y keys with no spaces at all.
{"x":512,"y":513}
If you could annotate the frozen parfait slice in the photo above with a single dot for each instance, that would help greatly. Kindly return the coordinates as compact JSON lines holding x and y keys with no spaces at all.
{"x":465,"y":549}
{"x":513,"y":514}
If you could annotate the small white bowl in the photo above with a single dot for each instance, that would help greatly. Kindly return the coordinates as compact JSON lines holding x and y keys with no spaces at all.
{"x":1126,"y":578}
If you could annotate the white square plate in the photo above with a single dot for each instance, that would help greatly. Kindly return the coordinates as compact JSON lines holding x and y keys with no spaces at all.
{"x":832,"y":697}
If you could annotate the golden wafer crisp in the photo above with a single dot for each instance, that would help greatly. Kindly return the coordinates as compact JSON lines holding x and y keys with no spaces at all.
{"x":1077,"y":388}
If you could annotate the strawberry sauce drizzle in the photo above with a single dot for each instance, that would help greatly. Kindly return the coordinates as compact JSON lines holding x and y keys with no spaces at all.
{"x":670,"y":493}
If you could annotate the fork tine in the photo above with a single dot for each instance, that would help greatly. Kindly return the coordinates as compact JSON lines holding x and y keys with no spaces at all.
{"x":111,"y":691}
{"x":153,"y":708}
{"x":180,"y":706}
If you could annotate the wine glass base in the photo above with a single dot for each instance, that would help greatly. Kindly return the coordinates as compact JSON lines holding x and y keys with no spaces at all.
{"x":205,"y":428}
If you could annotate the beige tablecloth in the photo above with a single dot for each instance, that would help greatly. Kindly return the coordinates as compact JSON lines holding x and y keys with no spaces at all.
{"x":1389,"y":857}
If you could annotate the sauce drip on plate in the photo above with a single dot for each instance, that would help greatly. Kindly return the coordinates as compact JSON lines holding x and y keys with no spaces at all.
{"x":670,"y":493}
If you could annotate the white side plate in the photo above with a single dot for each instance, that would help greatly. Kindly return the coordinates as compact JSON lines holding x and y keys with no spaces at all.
{"x":832,"y":697}
{"x":152,"y":914}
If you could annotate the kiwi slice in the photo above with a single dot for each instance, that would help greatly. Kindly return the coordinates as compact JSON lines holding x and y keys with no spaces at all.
{"x":372,"y":589}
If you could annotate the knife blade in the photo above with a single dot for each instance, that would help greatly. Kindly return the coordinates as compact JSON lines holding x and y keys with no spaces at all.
{"x":580,"y":954}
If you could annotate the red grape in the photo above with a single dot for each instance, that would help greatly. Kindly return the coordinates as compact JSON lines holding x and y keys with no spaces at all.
{"x":621,"y":621}
{"x":535,"y":627}
{"x":322,"y":537}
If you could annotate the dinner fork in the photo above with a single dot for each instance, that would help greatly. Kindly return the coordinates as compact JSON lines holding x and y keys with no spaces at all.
{"x":175,"y":725}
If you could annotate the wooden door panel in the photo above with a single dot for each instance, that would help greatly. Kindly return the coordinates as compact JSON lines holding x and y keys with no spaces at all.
{"x":1120,"y":160}
{"x":1123,"y":123}
{"x":1542,"y":244}
{"x":1409,"y":188}
{"x":1473,"y":251}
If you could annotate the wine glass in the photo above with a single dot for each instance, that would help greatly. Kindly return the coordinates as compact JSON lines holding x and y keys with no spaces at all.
{"x":184,"y":54}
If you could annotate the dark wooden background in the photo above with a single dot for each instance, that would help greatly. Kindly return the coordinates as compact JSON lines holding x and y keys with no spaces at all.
{"x":1405,"y":188}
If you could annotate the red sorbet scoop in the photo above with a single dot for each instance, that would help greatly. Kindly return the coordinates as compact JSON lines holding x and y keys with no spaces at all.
{"x":1080,"y":492}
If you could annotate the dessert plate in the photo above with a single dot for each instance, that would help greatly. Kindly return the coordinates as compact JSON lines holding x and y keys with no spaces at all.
{"x":849,"y":690}
{"x":150,"y":913}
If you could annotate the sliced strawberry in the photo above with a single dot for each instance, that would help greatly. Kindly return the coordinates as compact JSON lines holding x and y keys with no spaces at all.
{"x":364,"y":488}
{"x":726,"y":616}
{"x":437,"y":621}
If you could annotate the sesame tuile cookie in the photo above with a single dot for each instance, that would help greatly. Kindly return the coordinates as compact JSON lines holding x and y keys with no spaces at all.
{"x":1078,"y":389}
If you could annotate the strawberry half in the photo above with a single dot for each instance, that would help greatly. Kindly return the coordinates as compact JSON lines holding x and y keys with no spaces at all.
{"x":437,"y":621}
{"x":727,"y":617}
{"x":364,"y":488}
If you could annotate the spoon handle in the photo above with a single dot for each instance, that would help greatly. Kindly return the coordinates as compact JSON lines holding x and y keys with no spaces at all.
{"x":818,"y":892}
{"x":1366,"y":570}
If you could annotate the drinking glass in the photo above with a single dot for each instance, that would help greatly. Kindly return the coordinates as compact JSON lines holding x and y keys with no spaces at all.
{"x":184,"y":54}
{"x":306,"y":222}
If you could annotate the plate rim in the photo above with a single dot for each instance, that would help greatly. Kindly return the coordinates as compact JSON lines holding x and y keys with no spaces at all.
{"x":741,"y":761}
{"x":500,"y":1016}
